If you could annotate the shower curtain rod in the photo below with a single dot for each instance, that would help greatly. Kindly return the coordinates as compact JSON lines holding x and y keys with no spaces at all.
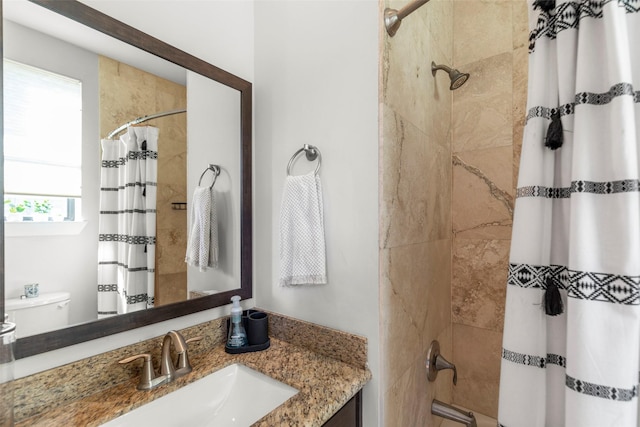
{"x":393,"y":18}
{"x":144,"y":119}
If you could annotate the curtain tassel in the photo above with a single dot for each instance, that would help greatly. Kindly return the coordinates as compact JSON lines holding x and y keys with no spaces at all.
{"x":552,"y":299}
{"x":545,"y":5}
{"x":554,"y":137}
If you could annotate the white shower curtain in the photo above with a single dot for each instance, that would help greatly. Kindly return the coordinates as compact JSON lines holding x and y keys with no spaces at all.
{"x":127,"y":222}
{"x":577,"y":224}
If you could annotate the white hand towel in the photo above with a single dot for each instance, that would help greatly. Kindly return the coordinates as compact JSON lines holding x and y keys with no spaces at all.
{"x":202,"y":244}
{"x":302,"y":243}
{"x":213,"y":233}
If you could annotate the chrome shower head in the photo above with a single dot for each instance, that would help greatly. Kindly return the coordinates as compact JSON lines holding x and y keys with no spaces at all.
{"x":457,"y":78}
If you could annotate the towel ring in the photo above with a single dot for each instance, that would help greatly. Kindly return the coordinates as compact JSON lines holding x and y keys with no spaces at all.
{"x":312,"y":153}
{"x":216,"y":171}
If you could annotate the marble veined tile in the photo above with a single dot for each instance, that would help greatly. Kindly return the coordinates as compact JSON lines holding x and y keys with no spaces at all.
{"x":477,"y":354}
{"x":404,"y":207}
{"x":520,"y":85}
{"x":482,"y":109}
{"x":483,"y":194}
{"x":482,"y":29}
{"x":520,"y":21}
{"x":479,"y":282}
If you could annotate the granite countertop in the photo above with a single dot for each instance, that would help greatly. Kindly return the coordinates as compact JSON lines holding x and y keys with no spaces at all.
{"x":325,"y":384}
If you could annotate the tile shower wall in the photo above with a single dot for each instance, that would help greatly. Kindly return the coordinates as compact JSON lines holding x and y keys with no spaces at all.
{"x":490,"y":43}
{"x":148,"y":94}
{"x":415,"y":216}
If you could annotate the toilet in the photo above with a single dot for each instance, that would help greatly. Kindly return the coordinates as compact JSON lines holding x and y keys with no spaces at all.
{"x":44,"y":313}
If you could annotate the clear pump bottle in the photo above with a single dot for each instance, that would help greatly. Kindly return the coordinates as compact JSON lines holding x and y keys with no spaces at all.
{"x":237,"y":335}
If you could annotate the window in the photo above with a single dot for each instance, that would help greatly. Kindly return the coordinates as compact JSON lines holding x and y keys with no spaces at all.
{"x":42,"y":144}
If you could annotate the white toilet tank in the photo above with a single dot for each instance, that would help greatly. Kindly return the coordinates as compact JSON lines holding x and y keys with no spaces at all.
{"x":44,"y":313}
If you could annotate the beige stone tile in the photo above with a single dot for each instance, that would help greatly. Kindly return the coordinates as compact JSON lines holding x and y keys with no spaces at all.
{"x":404,"y":286}
{"x":170,"y":250}
{"x":438,"y":173}
{"x":520,"y":22}
{"x":416,"y":185}
{"x":482,"y":29}
{"x":171,"y":288}
{"x":438,"y":113}
{"x":482,"y":200}
{"x":406,"y":73}
{"x":520,"y":84}
{"x":417,"y":302}
{"x":517,"y":151}
{"x":477,"y":355}
{"x":437,"y":304}
{"x":479,"y":282}
{"x":438,"y":19}
{"x":404,"y":209}
{"x":482,"y":109}
{"x":407,"y":402}
{"x":408,"y":85}
{"x":444,"y":380}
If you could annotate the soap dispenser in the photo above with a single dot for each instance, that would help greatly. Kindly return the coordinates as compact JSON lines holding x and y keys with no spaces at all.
{"x":237,"y":335}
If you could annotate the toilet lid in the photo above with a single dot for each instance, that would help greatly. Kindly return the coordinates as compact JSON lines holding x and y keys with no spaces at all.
{"x":43,"y":299}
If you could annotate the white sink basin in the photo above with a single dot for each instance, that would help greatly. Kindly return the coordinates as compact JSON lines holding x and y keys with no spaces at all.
{"x":233,"y":396}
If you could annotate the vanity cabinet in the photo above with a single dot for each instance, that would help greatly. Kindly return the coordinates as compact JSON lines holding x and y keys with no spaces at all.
{"x":350,"y":415}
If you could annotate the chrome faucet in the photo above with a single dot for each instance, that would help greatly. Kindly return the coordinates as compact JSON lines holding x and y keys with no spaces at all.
{"x":166,"y":362}
{"x":148,"y":379}
{"x":168,"y":371}
{"x":182,"y":364}
{"x":449,"y":412}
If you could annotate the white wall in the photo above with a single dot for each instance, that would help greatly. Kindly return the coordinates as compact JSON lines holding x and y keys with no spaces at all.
{"x":316,"y":82}
{"x":47,"y":259}
{"x":213,"y":131}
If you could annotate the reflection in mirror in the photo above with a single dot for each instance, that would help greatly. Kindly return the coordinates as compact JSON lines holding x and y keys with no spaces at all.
{"x":59,"y":249}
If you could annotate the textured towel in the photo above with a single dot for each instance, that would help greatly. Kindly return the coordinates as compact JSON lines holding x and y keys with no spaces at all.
{"x":302,"y":245}
{"x":202,"y":245}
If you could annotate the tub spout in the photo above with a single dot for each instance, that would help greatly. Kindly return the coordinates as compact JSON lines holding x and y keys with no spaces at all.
{"x":449,"y":412}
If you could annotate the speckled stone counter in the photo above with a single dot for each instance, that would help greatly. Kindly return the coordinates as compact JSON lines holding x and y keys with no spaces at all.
{"x":328,"y":367}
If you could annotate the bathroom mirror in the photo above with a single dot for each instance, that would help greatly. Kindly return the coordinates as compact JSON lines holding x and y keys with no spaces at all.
{"x":223,"y":86}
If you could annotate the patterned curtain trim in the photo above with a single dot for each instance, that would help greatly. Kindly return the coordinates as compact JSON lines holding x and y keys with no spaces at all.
{"x":601,"y":391}
{"x":531,"y":360}
{"x":123,"y":238}
{"x":575,"y":384}
{"x":592,"y":187}
{"x":568,"y":15}
{"x":136,"y":299}
{"x":107,"y":313}
{"x":142,"y":155}
{"x":535,"y":276}
{"x":126,"y":267}
{"x":581,"y":98}
{"x":583,"y":285}
{"x":142,"y":211}
{"x":136,"y":184}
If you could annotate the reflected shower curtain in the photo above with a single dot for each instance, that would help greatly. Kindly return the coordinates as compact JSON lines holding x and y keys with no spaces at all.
{"x":576,"y":225}
{"x":127,"y":222}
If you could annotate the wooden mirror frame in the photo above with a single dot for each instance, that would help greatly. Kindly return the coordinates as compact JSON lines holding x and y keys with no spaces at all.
{"x":75,"y":334}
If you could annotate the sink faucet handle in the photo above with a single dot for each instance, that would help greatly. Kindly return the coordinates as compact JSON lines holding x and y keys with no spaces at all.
{"x":182,"y":365}
{"x":148,"y":379}
{"x":194,"y":339}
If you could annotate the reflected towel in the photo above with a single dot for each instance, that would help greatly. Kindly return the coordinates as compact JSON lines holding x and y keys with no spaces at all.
{"x":302,"y":243}
{"x":202,"y":244}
